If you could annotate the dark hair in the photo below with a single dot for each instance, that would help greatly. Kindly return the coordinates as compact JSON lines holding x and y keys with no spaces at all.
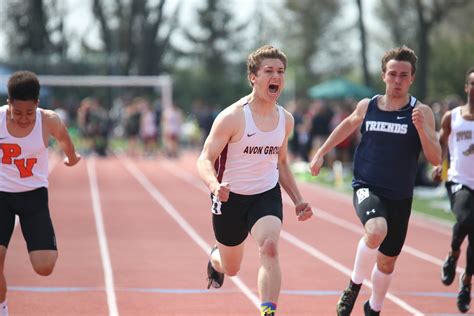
{"x":468,"y":73}
{"x":402,"y":53}
{"x":23,"y":85}
{"x":267,"y":51}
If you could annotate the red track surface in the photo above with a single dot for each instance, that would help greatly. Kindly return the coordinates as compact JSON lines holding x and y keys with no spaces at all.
{"x":134,"y":237}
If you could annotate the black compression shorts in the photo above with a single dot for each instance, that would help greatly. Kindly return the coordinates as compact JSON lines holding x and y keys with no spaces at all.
{"x":234,"y":219}
{"x":33,"y":212}
{"x":396,"y":212}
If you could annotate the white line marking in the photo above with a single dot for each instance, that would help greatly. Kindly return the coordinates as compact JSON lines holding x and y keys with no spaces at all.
{"x":336,"y":265}
{"x":104,"y":249}
{"x":181,"y":221}
{"x":302,"y":245}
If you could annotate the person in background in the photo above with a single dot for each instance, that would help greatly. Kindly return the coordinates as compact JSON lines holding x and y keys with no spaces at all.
{"x":457,"y":136}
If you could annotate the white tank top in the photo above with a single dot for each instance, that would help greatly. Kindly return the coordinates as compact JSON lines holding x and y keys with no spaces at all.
{"x":461,"y":150}
{"x":250,"y":165}
{"x":24,"y":160}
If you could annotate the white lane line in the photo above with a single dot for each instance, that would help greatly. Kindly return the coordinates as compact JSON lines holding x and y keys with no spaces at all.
{"x":358,"y":230}
{"x":187,"y":228}
{"x":343,"y":269}
{"x":301,"y":244}
{"x":102,"y":238}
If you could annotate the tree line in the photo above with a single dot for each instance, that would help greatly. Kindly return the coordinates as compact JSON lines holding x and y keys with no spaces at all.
{"x":205,"y":53}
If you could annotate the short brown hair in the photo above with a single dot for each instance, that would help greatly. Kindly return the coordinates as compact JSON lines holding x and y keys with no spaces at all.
{"x":267,"y":51}
{"x":402,"y":53}
{"x":468,"y":73}
{"x":23,"y":85}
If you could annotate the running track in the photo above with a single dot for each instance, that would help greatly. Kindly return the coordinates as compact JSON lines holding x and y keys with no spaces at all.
{"x":134,"y":236}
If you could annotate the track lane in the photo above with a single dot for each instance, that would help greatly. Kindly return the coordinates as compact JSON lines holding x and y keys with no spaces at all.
{"x":78,"y":276}
{"x":140,"y":233}
{"x":337,"y":204}
{"x":158,"y":270}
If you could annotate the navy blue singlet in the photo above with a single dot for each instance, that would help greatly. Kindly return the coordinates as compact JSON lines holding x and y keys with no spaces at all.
{"x":386,"y":159}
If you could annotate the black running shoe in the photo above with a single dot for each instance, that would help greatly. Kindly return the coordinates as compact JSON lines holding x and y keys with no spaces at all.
{"x":448,"y":272}
{"x":214,"y":278}
{"x":347,"y":300}
{"x":368,"y":311}
{"x":464,"y":297}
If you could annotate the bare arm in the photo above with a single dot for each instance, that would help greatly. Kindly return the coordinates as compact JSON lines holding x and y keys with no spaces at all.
{"x":423,"y":119}
{"x":286,"y":178}
{"x":444,"y":133}
{"x":341,"y":132}
{"x":57,"y":129}
{"x":223,"y":129}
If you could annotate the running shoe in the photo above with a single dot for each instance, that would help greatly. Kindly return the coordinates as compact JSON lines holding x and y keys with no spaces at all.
{"x":214,"y":278}
{"x":464,"y":296}
{"x":368,"y":311}
{"x":448,"y":272}
{"x":347,"y":300}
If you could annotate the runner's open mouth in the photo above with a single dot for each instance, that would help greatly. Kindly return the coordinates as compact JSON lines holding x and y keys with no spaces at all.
{"x":273,"y":88}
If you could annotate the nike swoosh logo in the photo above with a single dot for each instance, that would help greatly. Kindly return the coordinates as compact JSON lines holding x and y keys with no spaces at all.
{"x":400,"y":117}
{"x":3,"y":138}
{"x":250,"y":135}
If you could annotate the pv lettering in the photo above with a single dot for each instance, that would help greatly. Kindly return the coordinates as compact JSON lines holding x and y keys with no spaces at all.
{"x":24,"y":166}
{"x":386,"y":127}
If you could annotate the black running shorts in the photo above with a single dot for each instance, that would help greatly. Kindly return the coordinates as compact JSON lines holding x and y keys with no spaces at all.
{"x":234,"y":219}
{"x":33,"y":212}
{"x":461,"y":198}
{"x":396,"y":212}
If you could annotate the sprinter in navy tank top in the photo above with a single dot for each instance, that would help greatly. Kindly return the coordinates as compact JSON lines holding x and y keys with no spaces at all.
{"x":389,"y":138}
{"x":395,"y":127}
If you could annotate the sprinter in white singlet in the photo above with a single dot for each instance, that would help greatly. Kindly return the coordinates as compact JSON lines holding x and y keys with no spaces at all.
{"x":243,"y":163}
{"x":24,"y":133}
{"x":457,"y":137}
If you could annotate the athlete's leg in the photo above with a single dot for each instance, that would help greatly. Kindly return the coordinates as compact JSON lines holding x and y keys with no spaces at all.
{"x":7,"y":225}
{"x":3,"y":282}
{"x":266,"y":232}
{"x":375,"y":232}
{"x":38,"y":230}
{"x":43,"y":261}
{"x":470,"y":255}
{"x":461,"y":199}
{"x":227,"y":259}
{"x":462,"y":204}
{"x":371,"y":211}
{"x":381,"y":279}
{"x":398,"y":217}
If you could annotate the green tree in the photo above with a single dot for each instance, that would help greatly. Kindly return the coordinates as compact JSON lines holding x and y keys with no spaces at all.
{"x":452,"y":54}
{"x":363,"y":44}
{"x":135,"y":34}
{"x":216,"y":55}
{"x":310,"y":32}
{"x":412,"y":23}
{"x":34,"y":28}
